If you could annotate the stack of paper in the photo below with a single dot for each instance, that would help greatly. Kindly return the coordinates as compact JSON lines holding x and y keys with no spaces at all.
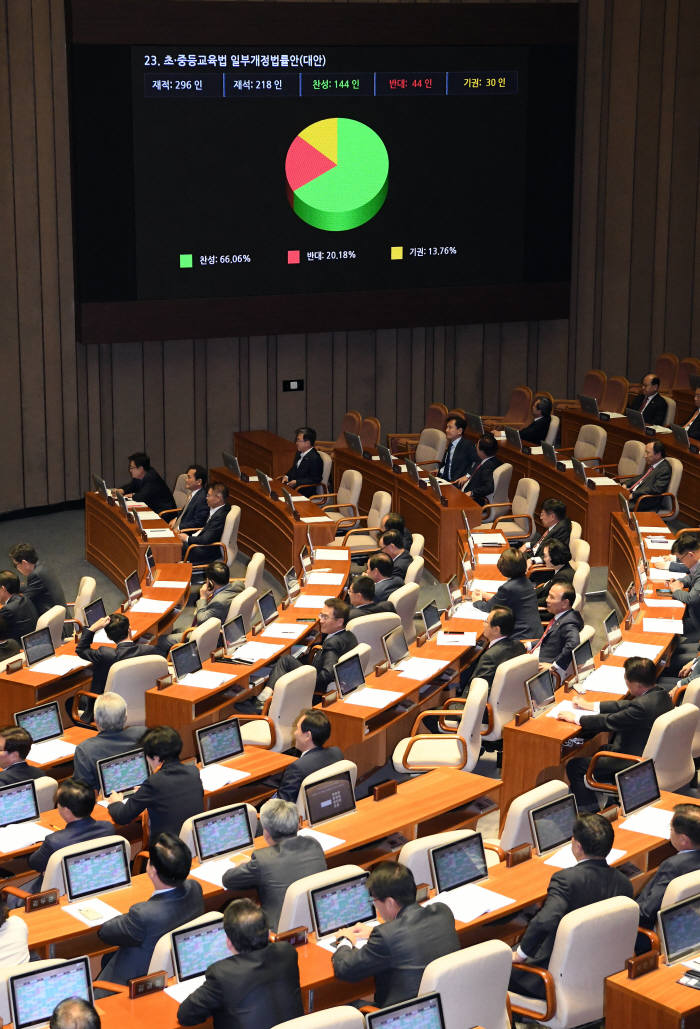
{"x":21,"y":835}
{"x":316,"y":518}
{"x":91,"y":911}
{"x":420,"y":668}
{"x":331,"y":554}
{"x":488,"y":559}
{"x":367,"y":696}
{"x":254,"y":651}
{"x":662,"y":574}
{"x":455,"y":639}
{"x":609,"y":678}
{"x":144,"y":605}
{"x":487,"y":585}
{"x":50,"y":750}
{"x":59,"y":664}
{"x":156,"y":534}
{"x":168,"y":584}
{"x":310,"y":601}
{"x":628,"y":649}
{"x":650,"y":821}
{"x":666,"y":625}
{"x":663,"y":602}
{"x":327,"y":841}
{"x":213,"y":871}
{"x":564,"y":857}
{"x":204,"y":679}
{"x":489,"y":539}
{"x":563,"y":705}
{"x":471,"y":901}
{"x":149,"y":516}
{"x":181,"y":991}
{"x":655,"y":530}
{"x":283,"y":631}
{"x":603,"y":480}
{"x":467,"y":610}
{"x":325,"y":579}
{"x":215,"y":777}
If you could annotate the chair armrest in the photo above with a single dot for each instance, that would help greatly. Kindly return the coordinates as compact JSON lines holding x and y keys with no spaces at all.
{"x":488,"y":845}
{"x":678,"y":694}
{"x":432,"y":736}
{"x":323,"y":496}
{"x":220,"y":545}
{"x":550,"y":995}
{"x":74,"y":707}
{"x":659,"y":496}
{"x":500,"y":503}
{"x":424,"y":464}
{"x":511,"y":517}
{"x":342,"y":507}
{"x":424,"y":714}
{"x":259,"y":718}
{"x":488,"y":711}
{"x":172,"y":511}
{"x":605,"y":787}
{"x":404,"y":453}
{"x":195,"y":528}
{"x":351,"y":521}
{"x":651,"y":937}
{"x":75,"y":622}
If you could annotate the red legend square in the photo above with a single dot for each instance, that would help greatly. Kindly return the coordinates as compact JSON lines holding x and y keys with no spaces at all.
{"x":293,"y":256}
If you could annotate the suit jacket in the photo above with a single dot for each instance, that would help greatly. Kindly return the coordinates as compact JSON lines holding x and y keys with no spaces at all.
{"x":562,"y":638}
{"x":693,"y":429}
{"x":103,"y":744}
{"x":137,"y":932}
{"x":19,"y":772}
{"x":102,"y":658}
{"x":656,"y":482}
{"x":376,"y":607}
{"x":272,"y":869}
{"x":312,"y":761}
{"x":310,"y":473}
{"x":151,"y":490}
{"x":690,"y":596}
{"x":209,"y":533}
{"x":650,"y":898}
{"x":480,"y":485}
{"x":385,"y":587}
{"x":536,"y":431}
{"x":80,"y":831}
{"x":401,"y":563}
{"x":171,"y":795}
{"x":8,"y":648}
{"x":561,"y":531}
{"x":196,"y":512}
{"x":20,"y":616}
{"x":397,"y":952}
{"x":548,"y":577}
{"x":519,"y":595}
{"x":218,"y":604}
{"x":327,"y":657}
{"x":258,"y":989}
{"x":655,"y":411}
{"x":569,"y":889}
{"x":486,"y":666}
{"x":44,"y":589}
{"x":464,"y":457}
{"x":629,"y":721}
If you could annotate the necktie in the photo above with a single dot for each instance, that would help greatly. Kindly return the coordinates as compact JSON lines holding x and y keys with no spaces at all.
{"x":691,"y":420}
{"x":640,"y":481}
{"x":184,"y":508}
{"x":546,"y":630}
{"x":448,"y":462}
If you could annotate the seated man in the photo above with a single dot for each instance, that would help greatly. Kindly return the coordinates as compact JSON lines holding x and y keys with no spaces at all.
{"x":392,"y":545}
{"x":171,"y":794}
{"x":380,"y":568}
{"x":536,"y":432}
{"x":408,"y":938}
{"x":257,"y":987}
{"x":175,"y":900}
{"x":307,"y":470}
{"x":215,"y":597}
{"x":629,"y":722}
{"x":500,"y":646}
{"x":8,"y":647}
{"x":557,"y":568}
{"x":112,"y":738}
{"x":562,"y":634}
{"x":460,"y":456}
{"x":213,"y":527}
{"x":311,"y":731}
{"x":692,"y":426}
{"x":685,"y":837}
{"x":556,"y":527}
{"x":195,"y":510}
{"x":687,"y":589}
{"x":394,"y":520}
{"x":43,"y":588}
{"x":591,"y":879}
{"x":117,"y":629}
{"x":337,"y":640}
{"x":286,"y":858}
{"x":15,"y":744}
{"x":361,"y":594}
{"x":478,"y":484}
{"x":75,"y":1013}
{"x":18,"y":611}
{"x":650,"y":404}
{"x":654,"y":481}
{"x":146,"y":484}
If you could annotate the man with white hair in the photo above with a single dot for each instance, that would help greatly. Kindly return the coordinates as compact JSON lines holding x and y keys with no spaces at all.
{"x":112,"y":738}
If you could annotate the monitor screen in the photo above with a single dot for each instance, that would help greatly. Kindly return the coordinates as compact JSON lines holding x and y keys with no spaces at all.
{"x":123,"y":772}
{"x":582,"y":657}
{"x":435,"y":487}
{"x":552,"y":824}
{"x":679,"y":927}
{"x":385,"y":456}
{"x":612,"y":625}
{"x":422,"y":1013}
{"x":624,"y":506}
{"x":102,"y":868}
{"x":35,"y":994}
{"x":37,"y":645}
{"x":42,"y":723}
{"x":289,"y":502}
{"x":150,"y":562}
{"x":549,"y":453}
{"x":312,"y":548}
{"x":580,"y":471}
{"x":196,"y":948}
{"x":431,"y":617}
{"x":222,"y":831}
{"x":94,"y":611}
{"x":412,"y":469}
{"x":637,"y":786}
{"x":341,"y":904}
{"x":231,"y":462}
{"x":475,"y":424}
{"x":233,"y":631}
{"x":100,"y":486}
{"x":329,"y":798}
{"x":219,"y":742}
{"x":121,"y":502}
{"x":132,"y":585}
{"x":305,"y":558}
{"x":513,"y":438}
{"x":186,"y":659}
{"x":395,"y":646}
{"x":264,"y":482}
{"x":291,"y":583}
{"x":267,"y":607}
{"x":349,"y":675}
{"x":540,"y":690}
{"x":18,"y":802}
{"x":455,"y":864}
{"x":354,"y":442}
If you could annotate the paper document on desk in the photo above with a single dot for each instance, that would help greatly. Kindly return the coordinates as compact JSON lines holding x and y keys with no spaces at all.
{"x":455,"y":639}
{"x":328,"y":943}
{"x":50,"y":750}
{"x":215,"y":777}
{"x":149,"y":516}
{"x":91,"y":911}
{"x":564,"y":857}
{"x":467,"y":610}
{"x":213,"y":871}
{"x":667,"y":625}
{"x":661,"y":602}
{"x":487,"y":585}
{"x":254,"y":651}
{"x":488,"y":559}
{"x":537,"y":451}
{"x":311,"y":601}
{"x":563,"y":705}
{"x":420,"y":668}
{"x":489,"y":539}
{"x":283,"y":631}
{"x":655,"y":530}
{"x":628,"y":649}
{"x":316,"y":518}
{"x":325,"y":579}
{"x":331,"y":554}
{"x":59,"y":664}
{"x":145,"y":605}
{"x":650,"y":821}
{"x":663,"y":574}
{"x":327,"y":841}
{"x":181,"y":991}
{"x":204,"y":679}
{"x":603,"y":480}
{"x":21,"y":835}
{"x":159,"y":534}
{"x":658,"y":428}
{"x":608,"y":678}
{"x":651,"y":543}
{"x":471,"y":901}
{"x":566,"y":464}
{"x":367,"y":696}
{"x":138,"y":504}
{"x":168,"y":584}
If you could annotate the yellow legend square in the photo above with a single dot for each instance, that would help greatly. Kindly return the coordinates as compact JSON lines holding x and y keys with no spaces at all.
{"x":396,"y":253}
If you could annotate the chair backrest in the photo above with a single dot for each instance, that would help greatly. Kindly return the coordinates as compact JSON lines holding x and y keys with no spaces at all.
{"x":343,"y":1017}
{"x":670,"y":410}
{"x":255,"y":572}
{"x":327,"y":462}
{"x":553,"y":430}
{"x":414,"y":572}
{"x":293,"y":692}
{"x":666,"y":370}
{"x":470,"y":723}
{"x":414,"y":854}
{"x":669,"y":507}
{"x":516,"y":828}
{"x":670,"y":746}
{"x":53,"y":620}
{"x":349,"y":490}
{"x":131,"y":678}
{"x":580,"y":550}
{"x":87,"y":587}
{"x":295,"y":907}
{"x":590,"y":443}
{"x":582,"y":576}
{"x":229,"y":537}
{"x":594,"y":384}
{"x":473,"y":985}
{"x":519,"y":405}
{"x":507,"y":691}
{"x":501,"y":484}
{"x":632,"y":460}
{"x":527,"y":494}
{"x":435,"y":416}
{"x":53,"y":874}
{"x":180,"y":493}
{"x":687,"y":367}
{"x":681,"y":888}
{"x":692,"y":696}
{"x":370,"y":432}
{"x":187,"y":831}
{"x":616,"y":392}
{"x":45,"y":788}
{"x":162,"y":956}
{"x":206,"y":636}
{"x":352,"y":420}
{"x":363,"y":651}
{"x":370,"y":629}
{"x":243,"y":604}
{"x":9,"y":970}
{"x":432,"y":445}
{"x":404,"y":601}
{"x":335,"y":768}
{"x":379,"y":508}
{"x":576,"y":531}
{"x":417,"y":545}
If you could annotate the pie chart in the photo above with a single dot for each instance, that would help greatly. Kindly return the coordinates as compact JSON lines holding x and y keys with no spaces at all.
{"x":337,"y":173}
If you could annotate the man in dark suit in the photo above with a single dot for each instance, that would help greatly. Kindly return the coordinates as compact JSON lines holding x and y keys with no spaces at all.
{"x":43,"y":588}
{"x":536,"y":431}
{"x":311,"y":732}
{"x":500,"y":647}
{"x":591,"y":879}
{"x":146,"y":485}
{"x":478,"y":484}
{"x":692,"y":426}
{"x":15,"y":744}
{"x":195,"y":510}
{"x":685,"y":837}
{"x":257,"y":987}
{"x":112,"y":738}
{"x":408,"y":938}
{"x":171,"y":794}
{"x":307,"y":470}
{"x":361,"y":594}
{"x":516,"y":593}
{"x":380,"y":569}
{"x":556,"y":527}
{"x":392,"y":546}
{"x":337,"y":640}
{"x":175,"y":900}
{"x":8,"y":647}
{"x":213,"y":527}
{"x":655,"y":479}
{"x":687,"y":590}
{"x":562,"y":634}
{"x":629,"y":722}
{"x":650,"y":404}
{"x":286,"y":858}
{"x":19,"y":612}
{"x":460,"y":456}
{"x":116,"y":627}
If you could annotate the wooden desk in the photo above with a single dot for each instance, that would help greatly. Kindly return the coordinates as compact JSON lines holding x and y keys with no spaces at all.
{"x":115,"y":546}
{"x":272,"y":454}
{"x":654,"y":1001}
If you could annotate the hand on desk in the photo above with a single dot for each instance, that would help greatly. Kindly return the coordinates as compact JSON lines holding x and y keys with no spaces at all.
{"x":580,"y":705}
{"x":115,"y":798}
{"x":355,"y":933}
{"x":477,"y":595}
{"x":659,"y":562}
{"x":676,"y":584}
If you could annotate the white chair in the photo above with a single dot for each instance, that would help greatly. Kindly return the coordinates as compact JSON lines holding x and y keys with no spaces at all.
{"x":576,"y":532}
{"x":507,"y":694}
{"x":681,"y":888}
{"x":631,"y":465}
{"x":180,"y":491}
{"x":369,"y":629}
{"x":53,"y":620}
{"x":404,"y":601}
{"x":206,"y":636}
{"x":582,"y":576}
{"x":414,"y":855}
{"x":580,"y":550}
{"x":87,"y":587}
{"x":589,"y":447}
{"x":421,"y":752}
{"x":670,"y":410}
{"x":293,"y":692}
{"x":501,"y":485}
{"x":187,"y":830}
{"x":327,"y":462}
{"x":417,"y":545}
{"x":255,"y":572}
{"x":332,"y":1018}
{"x":9,"y":970}
{"x":227,"y":547}
{"x":473,"y":985}
{"x":45,"y":788}
{"x":519,"y":523}
{"x":53,"y":874}
{"x":131,"y":678}
{"x":162,"y":956}
{"x":335,"y":768}
{"x":431,"y":447}
{"x":295,"y":907}
{"x":592,"y":943}
{"x":414,"y":572}
{"x":365,"y":539}
{"x":516,"y":828}
{"x":691,"y":695}
{"x":243,"y":604}
{"x":553,"y":430}
{"x":346,"y":499}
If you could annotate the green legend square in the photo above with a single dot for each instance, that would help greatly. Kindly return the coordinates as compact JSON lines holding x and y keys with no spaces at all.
{"x":185,"y":260}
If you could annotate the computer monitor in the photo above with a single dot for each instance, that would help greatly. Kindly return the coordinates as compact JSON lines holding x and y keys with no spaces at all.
{"x":267,"y":608}
{"x":329,"y":798}
{"x":635,"y":418}
{"x":312,"y":548}
{"x":123,"y":772}
{"x":549,"y":453}
{"x":341,"y":904}
{"x":94,"y":611}
{"x":589,"y":405}
{"x":413,"y":473}
{"x":634,"y":524}
{"x":552,"y":824}
{"x":150,"y":565}
{"x":231,"y":462}
{"x":102,"y":868}
{"x":632,"y":598}
{"x":222,"y":831}
{"x":289,"y":502}
{"x":132,"y":586}
{"x":431,"y":618}
{"x":37,"y":646}
{"x":474,"y":423}
{"x":424,"y":1012}
{"x":435,"y":487}
{"x":513,"y":438}
{"x":264,"y":481}
{"x":354,"y":442}
{"x":100,"y":486}
{"x":18,"y":802}
{"x":580,"y":471}
{"x":219,"y":742}
{"x":233,"y":632}
{"x":637,"y":786}
{"x":348,"y":675}
{"x":448,"y":589}
{"x":42,"y":722}
{"x":291,"y":583}
{"x":680,"y":435}
{"x":197,"y":947}
{"x":624,"y":507}
{"x":540,"y":692}
{"x":385,"y":456}
{"x":584,"y":663}
{"x":185,"y":658}
{"x":679,"y":929}
{"x":395,"y":646}
{"x":34,"y":994}
{"x":611,"y":624}
{"x":137,"y":519}
{"x":458,"y":863}
{"x":306,"y":561}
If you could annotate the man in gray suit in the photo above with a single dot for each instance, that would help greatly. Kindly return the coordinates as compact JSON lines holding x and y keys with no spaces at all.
{"x":111,"y":739}
{"x":286,"y":858}
{"x":215,"y":598}
{"x":655,"y":479}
